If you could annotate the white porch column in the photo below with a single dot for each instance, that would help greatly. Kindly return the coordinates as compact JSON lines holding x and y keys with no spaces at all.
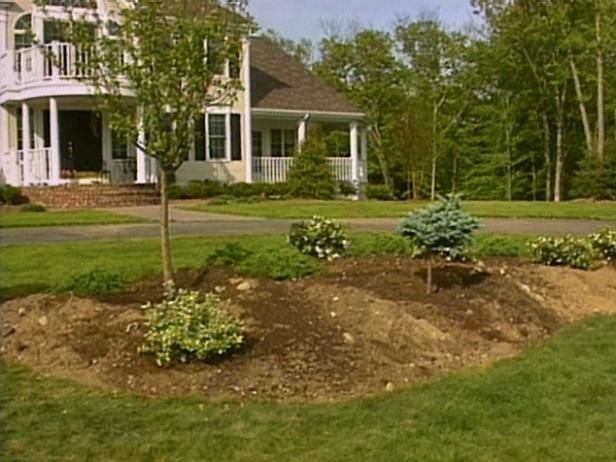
{"x":302,"y":132}
{"x":7,"y":170}
{"x":26,"y":140}
{"x":247,"y":114}
{"x":3,"y":28}
{"x":354,"y":133}
{"x":142,"y":160}
{"x":54,"y":139}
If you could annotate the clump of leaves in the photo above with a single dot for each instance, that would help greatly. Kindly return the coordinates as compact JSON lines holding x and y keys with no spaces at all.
{"x":569,"y":251}
{"x":187,"y":325}
{"x":229,"y":255}
{"x":310,"y":176}
{"x":440,"y":230}
{"x":604,"y":242}
{"x":279,"y":263}
{"x":319,"y":237}
{"x":96,"y":282}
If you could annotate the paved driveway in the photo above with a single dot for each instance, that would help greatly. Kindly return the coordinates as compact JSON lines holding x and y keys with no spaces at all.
{"x":186,"y":223}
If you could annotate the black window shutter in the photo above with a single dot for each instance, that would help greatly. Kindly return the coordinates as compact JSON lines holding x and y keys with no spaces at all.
{"x":236,"y":137}
{"x":200,"y":137}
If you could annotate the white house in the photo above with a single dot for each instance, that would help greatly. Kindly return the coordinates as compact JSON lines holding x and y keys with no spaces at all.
{"x":51,"y":133}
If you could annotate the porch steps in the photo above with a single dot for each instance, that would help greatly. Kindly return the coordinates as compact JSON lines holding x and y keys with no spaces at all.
{"x":92,"y":196}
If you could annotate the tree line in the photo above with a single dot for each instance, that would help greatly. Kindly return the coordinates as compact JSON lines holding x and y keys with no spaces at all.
{"x":517,"y":106}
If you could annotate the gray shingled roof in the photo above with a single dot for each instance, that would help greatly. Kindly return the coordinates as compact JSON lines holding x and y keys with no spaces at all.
{"x":278,"y":81}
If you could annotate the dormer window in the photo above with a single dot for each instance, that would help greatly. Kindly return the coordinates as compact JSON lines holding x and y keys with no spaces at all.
{"x":22,"y":32}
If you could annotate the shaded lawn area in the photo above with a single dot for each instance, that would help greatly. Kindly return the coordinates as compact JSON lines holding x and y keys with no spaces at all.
{"x":382,"y":209}
{"x":36,"y":268}
{"x":554,"y":403}
{"x":18,"y":219}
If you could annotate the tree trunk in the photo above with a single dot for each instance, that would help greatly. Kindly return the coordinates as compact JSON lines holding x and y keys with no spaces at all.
{"x":165,"y":242}
{"x":509,"y":162}
{"x":454,"y":175}
{"x":560,"y":155}
{"x":434,"y":150}
{"x":600,"y":92}
{"x":583,"y":112}
{"x":429,"y":275}
{"x":548,"y":157}
{"x":433,"y":184}
{"x":414,"y":184}
{"x":378,"y":150}
{"x":534,"y":176}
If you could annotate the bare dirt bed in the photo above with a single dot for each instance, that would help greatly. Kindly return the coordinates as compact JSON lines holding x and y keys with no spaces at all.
{"x":362,"y":327}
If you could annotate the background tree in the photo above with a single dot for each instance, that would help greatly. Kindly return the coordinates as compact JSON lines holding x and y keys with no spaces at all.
{"x":302,"y":49}
{"x":173,"y":59}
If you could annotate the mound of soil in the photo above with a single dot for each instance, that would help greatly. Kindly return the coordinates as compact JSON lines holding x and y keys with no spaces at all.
{"x":362,"y":327}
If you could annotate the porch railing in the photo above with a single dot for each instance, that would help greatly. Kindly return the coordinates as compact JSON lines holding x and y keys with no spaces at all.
{"x":123,"y":171}
{"x":276,"y":169}
{"x":19,"y":172}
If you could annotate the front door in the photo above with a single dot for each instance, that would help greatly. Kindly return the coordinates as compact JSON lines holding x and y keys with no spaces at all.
{"x":81,"y":147}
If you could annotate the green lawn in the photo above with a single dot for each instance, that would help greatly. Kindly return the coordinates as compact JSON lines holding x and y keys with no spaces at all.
{"x":379,"y":209}
{"x":18,"y":219}
{"x":554,"y":403}
{"x":27,"y":269}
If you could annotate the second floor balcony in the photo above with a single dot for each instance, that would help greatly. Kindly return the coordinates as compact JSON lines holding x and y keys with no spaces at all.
{"x":53,"y":69}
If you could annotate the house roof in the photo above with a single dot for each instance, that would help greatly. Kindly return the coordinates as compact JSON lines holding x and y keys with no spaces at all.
{"x":279,"y":82}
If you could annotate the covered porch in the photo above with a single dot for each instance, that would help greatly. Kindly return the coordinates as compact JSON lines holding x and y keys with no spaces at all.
{"x":55,"y":141}
{"x":278,"y":138}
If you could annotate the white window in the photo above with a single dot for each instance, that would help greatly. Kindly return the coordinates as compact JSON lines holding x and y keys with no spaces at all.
{"x":217,"y":136}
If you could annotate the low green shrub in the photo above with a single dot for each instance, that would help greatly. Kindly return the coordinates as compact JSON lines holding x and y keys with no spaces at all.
{"x":380,"y":244}
{"x":96,"y":282}
{"x":187,"y":325}
{"x":279,"y":263}
{"x":379,"y":192}
{"x":209,"y":189}
{"x":319,"y":237}
{"x":37,"y":208}
{"x":347,"y":188}
{"x":563,"y":251}
{"x":604,"y":243}
{"x":229,"y":255}
{"x":440,"y":230}
{"x":10,"y":195}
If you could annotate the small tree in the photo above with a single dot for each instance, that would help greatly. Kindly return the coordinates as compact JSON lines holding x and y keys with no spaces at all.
{"x":439,"y":230}
{"x":310,"y":177}
{"x":156,"y":68}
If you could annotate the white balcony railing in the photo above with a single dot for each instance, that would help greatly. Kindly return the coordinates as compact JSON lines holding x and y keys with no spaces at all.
{"x":43,"y":63}
{"x":276,"y":169}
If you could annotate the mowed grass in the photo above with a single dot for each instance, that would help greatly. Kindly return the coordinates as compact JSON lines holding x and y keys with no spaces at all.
{"x":40,"y":268}
{"x":382,"y":209}
{"x":19,"y":219}
{"x":554,"y":403}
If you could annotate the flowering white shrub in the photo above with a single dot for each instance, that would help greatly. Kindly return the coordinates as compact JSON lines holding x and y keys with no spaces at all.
{"x":319,"y":237}
{"x":188,"y":325}
{"x":604,"y":242}
{"x":563,"y":251}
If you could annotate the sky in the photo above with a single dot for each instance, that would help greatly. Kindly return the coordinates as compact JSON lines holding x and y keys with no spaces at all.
{"x":304,"y":18}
